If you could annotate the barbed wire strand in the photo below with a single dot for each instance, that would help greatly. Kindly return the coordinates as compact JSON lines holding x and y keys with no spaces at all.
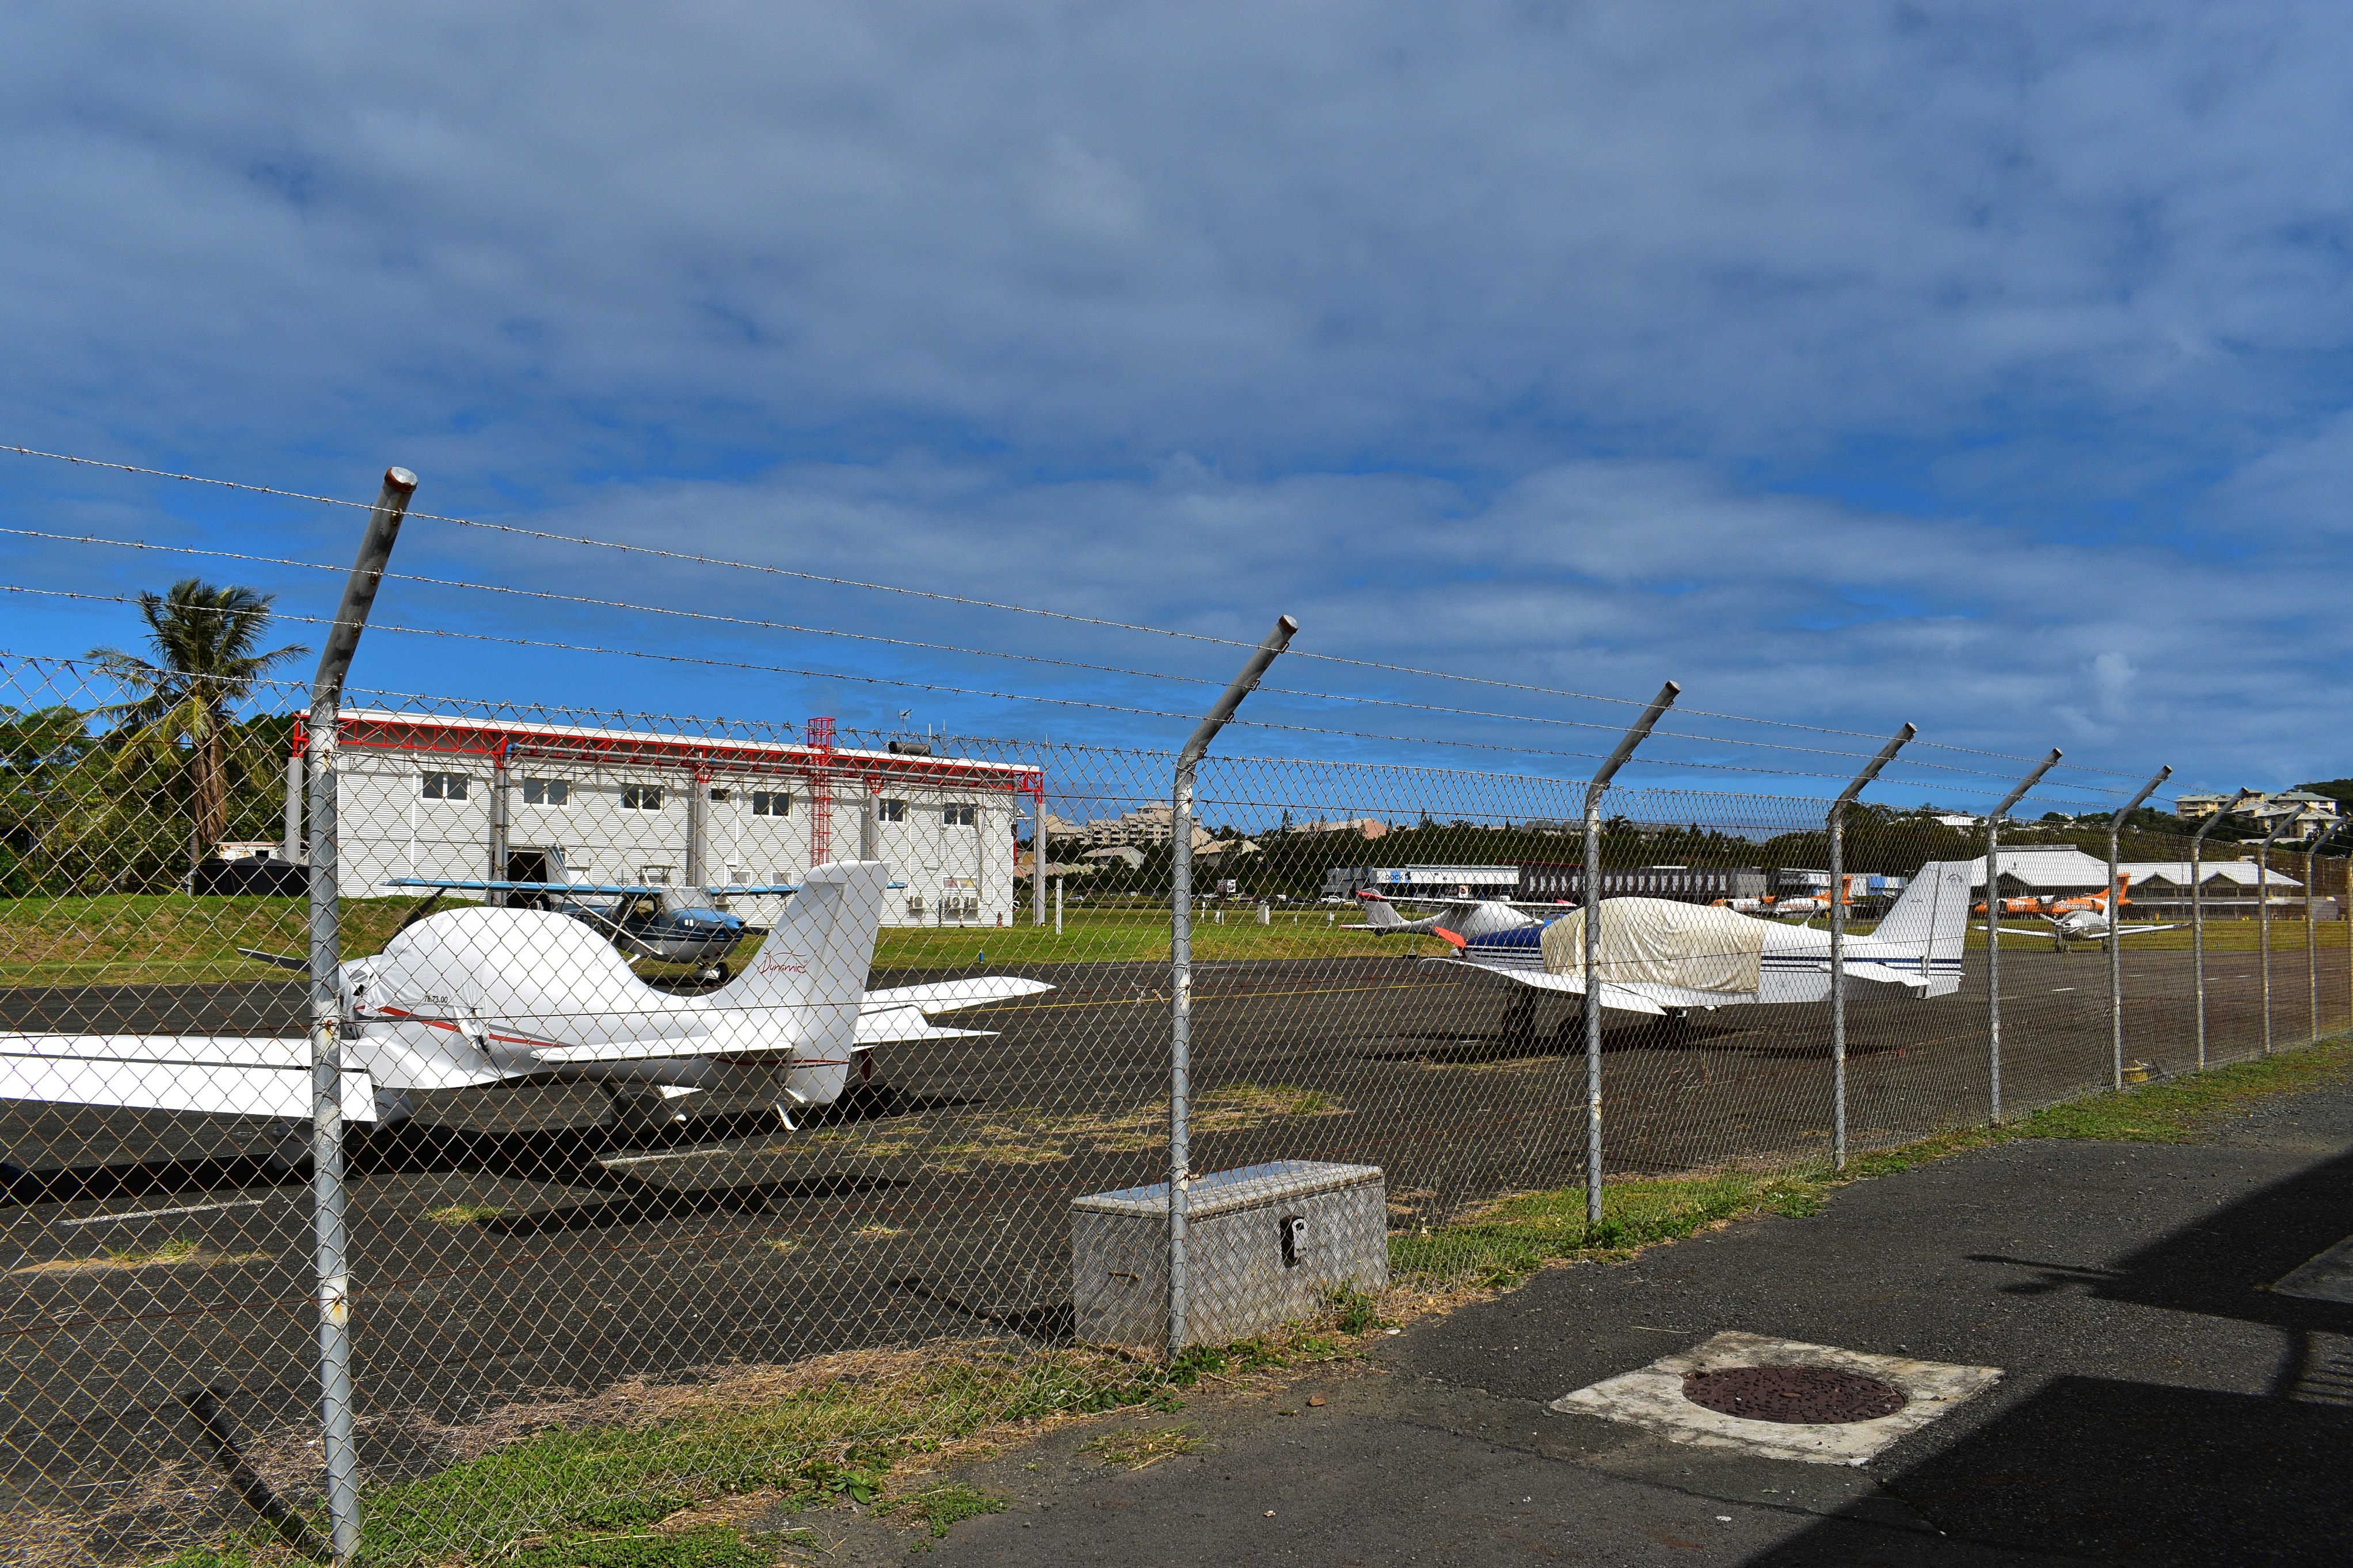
{"x":591,"y":601}
{"x":904,"y":684}
{"x":697,"y":559}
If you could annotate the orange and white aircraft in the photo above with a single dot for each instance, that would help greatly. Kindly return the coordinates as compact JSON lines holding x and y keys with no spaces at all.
{"x":1796,"y":907}
{"x":2024,"y":904}
{"x":2051,"y":905}
{"x":2084,"y":919}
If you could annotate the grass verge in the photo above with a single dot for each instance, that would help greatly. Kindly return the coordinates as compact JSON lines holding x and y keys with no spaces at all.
{"x":1507,"y":1240}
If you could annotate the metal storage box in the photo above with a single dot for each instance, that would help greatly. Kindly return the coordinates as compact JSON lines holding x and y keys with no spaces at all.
{"x":1264,"y":1245}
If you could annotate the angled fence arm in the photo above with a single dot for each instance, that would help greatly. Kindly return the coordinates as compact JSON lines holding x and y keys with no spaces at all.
{"x":1180,"y":949}
{"x":1836,"y":824}
{"x":2115,"y":926}
{"x":335,"y":1409}
{"x":1993,"y":928}
{"x":1593,"y":794}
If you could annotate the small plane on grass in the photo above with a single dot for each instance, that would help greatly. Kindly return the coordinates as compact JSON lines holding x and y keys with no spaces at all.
{"x":478,"y":996}
{"x":1668,"y":959}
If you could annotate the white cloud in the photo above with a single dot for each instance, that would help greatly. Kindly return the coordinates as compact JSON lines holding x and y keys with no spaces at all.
{"x":1977,"y":366}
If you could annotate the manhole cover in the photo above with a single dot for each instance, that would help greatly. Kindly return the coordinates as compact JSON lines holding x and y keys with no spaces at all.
{"x":1794,"y":1393}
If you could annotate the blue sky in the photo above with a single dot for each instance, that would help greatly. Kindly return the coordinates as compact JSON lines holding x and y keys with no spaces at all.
{"x":1984,"y":366}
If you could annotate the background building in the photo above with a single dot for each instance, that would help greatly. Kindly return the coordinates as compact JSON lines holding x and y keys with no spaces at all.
{"x":459,"y":799}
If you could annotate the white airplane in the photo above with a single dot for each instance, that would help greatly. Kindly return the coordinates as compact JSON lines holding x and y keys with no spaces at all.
{"x":1469,"y":919}
{"x":478,"y":996}
{"x":1666,"y":959}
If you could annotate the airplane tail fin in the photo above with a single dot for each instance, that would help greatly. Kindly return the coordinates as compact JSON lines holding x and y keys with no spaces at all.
{"x":1931,"y":916}
{"x":807,"y":980}
{"x":1382,"y":915}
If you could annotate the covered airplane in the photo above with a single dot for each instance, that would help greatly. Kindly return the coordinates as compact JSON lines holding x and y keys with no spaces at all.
{"x":1664,"y":958}
{"x":478,"y":996}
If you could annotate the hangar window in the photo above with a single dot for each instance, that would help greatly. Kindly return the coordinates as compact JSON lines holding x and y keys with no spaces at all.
{"x":641,"y":797}
{"x":891,"y":810}
{"x":959,"y":815}
{"x":723,"y":795}
{"x":547,"y":792}
{"x":445,"y":786}
{"x":766,"y":803}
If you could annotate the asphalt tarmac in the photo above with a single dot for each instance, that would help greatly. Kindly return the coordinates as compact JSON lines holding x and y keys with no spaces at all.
{"x":510,"y":1241}
{"x":2159,"y":1403}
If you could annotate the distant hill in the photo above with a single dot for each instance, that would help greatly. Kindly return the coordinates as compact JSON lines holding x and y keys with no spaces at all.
{"x":2335,"y":789}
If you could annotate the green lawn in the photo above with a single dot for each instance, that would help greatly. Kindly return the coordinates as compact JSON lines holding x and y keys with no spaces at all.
{"x":171,"y":938}
{"x":159,"y":938}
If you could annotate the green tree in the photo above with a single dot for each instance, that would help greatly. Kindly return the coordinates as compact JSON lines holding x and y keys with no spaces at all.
{"x":206,"y":642}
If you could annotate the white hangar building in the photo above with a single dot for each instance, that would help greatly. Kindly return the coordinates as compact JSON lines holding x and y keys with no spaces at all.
{"x":461,"y":799}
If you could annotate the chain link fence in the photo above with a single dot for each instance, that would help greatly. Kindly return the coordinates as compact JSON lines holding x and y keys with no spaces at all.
{"x":725,"y":1082}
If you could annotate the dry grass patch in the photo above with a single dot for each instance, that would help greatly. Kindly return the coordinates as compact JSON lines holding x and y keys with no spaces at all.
{"x":1135,"y":1447}
{"x":167,"y":1255}
{"x":455,"y":1214}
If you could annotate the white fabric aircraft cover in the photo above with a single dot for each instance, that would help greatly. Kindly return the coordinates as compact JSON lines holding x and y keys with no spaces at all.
{"x":1658,"y":942}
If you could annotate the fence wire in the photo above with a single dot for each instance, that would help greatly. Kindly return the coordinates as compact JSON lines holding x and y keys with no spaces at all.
{"x":706,"y":1078}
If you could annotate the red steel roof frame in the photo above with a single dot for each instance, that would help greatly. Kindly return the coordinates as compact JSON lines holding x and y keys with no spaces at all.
{"x":374,"y":729}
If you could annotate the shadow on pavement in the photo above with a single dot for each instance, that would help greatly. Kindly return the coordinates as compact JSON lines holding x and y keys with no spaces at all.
{"x":2108,"y":1470}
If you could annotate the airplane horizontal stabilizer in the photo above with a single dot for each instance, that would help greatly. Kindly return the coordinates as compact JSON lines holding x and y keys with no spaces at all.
{"x":222,"y":1075}
{"x":947,"y":996}
{"x":1884,"y":975}
{"x":890,"y":1025}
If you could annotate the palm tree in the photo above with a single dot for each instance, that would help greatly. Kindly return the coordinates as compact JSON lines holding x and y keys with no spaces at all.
{"x":204,"y":640}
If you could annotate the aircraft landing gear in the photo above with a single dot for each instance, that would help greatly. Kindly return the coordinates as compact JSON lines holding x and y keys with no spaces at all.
{"x":289,"y":1149}
{"x":717,"y":974}
{"x":1520,"y":1018}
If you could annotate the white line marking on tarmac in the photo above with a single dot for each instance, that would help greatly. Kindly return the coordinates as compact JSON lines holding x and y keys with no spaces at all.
{"x":165,"y":1214}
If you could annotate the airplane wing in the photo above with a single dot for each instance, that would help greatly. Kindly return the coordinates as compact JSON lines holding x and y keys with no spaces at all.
{"x":2142,"y":930}
{"x":2020,"y":931}
{"x":1625,"y":998}
{"x":597,"y":889}
{"x":227,"y":1075}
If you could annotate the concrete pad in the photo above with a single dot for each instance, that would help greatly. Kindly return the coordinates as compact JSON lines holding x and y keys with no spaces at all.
{"x":2328,"y":1277}
{"x":1651,"y":1397}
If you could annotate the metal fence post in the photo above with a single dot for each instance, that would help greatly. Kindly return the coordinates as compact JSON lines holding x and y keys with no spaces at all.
{"x":1993,"y":928}
{"x":333,"y":1277}
{"x":2198,"y":913}
{"x":2115,"y":920}
{"x":2311,"y":951}
{"x":1593,"y":794}
{"x":1038,"y":861}
{"x":1180,"y":950}
{"x":1836,"y":823}
{"x":2264,"y":918}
